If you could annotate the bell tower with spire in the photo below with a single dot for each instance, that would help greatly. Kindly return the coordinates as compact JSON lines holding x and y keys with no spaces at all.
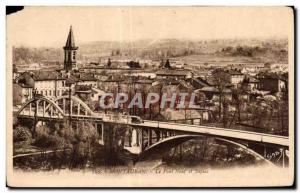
{"x":70,"y":52}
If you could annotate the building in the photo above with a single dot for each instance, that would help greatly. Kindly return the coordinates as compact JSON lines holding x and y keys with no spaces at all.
{"x":47,"y":83}
{"x":167,"y":73}
{"x":83,"y":91}
{"x":70,"y":53}
{"x":85,"y":79}
{"x":21,"y":93}
{"x":272,"y":82}
{"x":250,"y":83}
{"x":233,"y":76}
{"x":110,"y":84}
{"x":198,"y":82}
{"x":50,"y":84}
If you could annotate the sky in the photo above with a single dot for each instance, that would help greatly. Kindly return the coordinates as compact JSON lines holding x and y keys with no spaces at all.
{"x":49,"y":26}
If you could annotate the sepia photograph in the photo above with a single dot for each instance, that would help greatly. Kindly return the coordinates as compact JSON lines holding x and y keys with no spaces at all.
{"x":150,"y":96}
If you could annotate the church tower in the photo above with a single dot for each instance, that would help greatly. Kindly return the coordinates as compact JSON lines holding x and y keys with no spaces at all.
{"x":70,"y":52}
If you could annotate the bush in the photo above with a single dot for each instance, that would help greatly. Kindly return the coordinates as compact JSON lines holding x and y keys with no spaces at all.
{"x":49,"y":141}
{"x":22,"y":134}
{"x":45,"y":138}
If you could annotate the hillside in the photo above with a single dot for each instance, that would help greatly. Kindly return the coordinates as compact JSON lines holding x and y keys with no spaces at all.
{"x":270,"y":50}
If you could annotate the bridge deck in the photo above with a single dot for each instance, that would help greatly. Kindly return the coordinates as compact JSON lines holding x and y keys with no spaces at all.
{"x":221,"y":132}
{"x":197,"y":129}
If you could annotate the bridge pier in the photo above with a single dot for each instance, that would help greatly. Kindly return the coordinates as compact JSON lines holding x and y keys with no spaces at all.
{"x":161,"y":135}
{"x":100,"y":132}
{"x":157,"y":133}
{"x":137,"y":140}
{"x":285,"y":159}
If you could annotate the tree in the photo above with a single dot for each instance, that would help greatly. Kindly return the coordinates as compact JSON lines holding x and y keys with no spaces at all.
{"x":167,"y":64}
{"x":22,"y":134}
{"x":222,"y":80}
{"x":237,"y":100}
{"x":17,"y":94}
{"x":108,"y":63}
{"x":115,"y":136}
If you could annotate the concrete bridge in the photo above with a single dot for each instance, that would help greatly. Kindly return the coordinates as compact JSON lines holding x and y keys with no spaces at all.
{"x":145,"y":134}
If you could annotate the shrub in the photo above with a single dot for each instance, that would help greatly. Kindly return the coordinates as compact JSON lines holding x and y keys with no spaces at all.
{"x":46,"y":139}
{"x":22,"y":134}
{"x":49,"y":141}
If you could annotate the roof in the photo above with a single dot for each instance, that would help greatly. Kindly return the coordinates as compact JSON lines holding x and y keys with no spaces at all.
{"x":144,"y":81}
{"x":213,"y":89}
{"x":213,"y":82}
{"x":47,"y":75}
{"x":272,"y":75}
{"x":87,"y":77}
{"x":84,"y":77}
{"x":25,"y":85}
{"x":70,"y":41}
{"x":185,"y":84}
{"x":250,"y":79}
{"x":83,"y":88}
{"x":25,"y":80}
{"x":208,"y":89}
{"x":110,"y":78}
{"x":234,"y":72}
{"x":170,"y":81}
{"x":171,"y":72}
{"x":228,"y":71}
{"x":198,"y":82}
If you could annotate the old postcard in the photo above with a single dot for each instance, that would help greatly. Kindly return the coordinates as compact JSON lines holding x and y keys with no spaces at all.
{"x":150,"y":96}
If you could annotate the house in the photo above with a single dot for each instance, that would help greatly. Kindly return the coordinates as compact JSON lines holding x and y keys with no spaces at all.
{"x":190,"y":116}
{"x":110,"y":83}
{"x":47,"y":83}
{"x":212,"y":93}
{"x":86,"y":79}
{"x":83,"y":91}
{"x":197,"y":82}
{"x":89,"y":95}
{"x":21,"y":93}
{"x":272,"y":82}
{"x":232,"y":76}
{"x":178,"y":73}
{"x":250,"y":83}
{"x":236,"y":76}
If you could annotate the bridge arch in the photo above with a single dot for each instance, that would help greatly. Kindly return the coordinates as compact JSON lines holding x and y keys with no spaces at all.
{"x":80,"y":107}
{"x":35,"y":105}
{"x":173,"y":141}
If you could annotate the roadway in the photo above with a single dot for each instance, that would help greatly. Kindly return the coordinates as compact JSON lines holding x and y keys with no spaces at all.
{"x":220,"y":132}
{"x":195,"y":129}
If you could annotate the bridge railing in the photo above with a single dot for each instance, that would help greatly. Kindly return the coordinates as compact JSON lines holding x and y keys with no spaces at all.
{"x":245,"y":135}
